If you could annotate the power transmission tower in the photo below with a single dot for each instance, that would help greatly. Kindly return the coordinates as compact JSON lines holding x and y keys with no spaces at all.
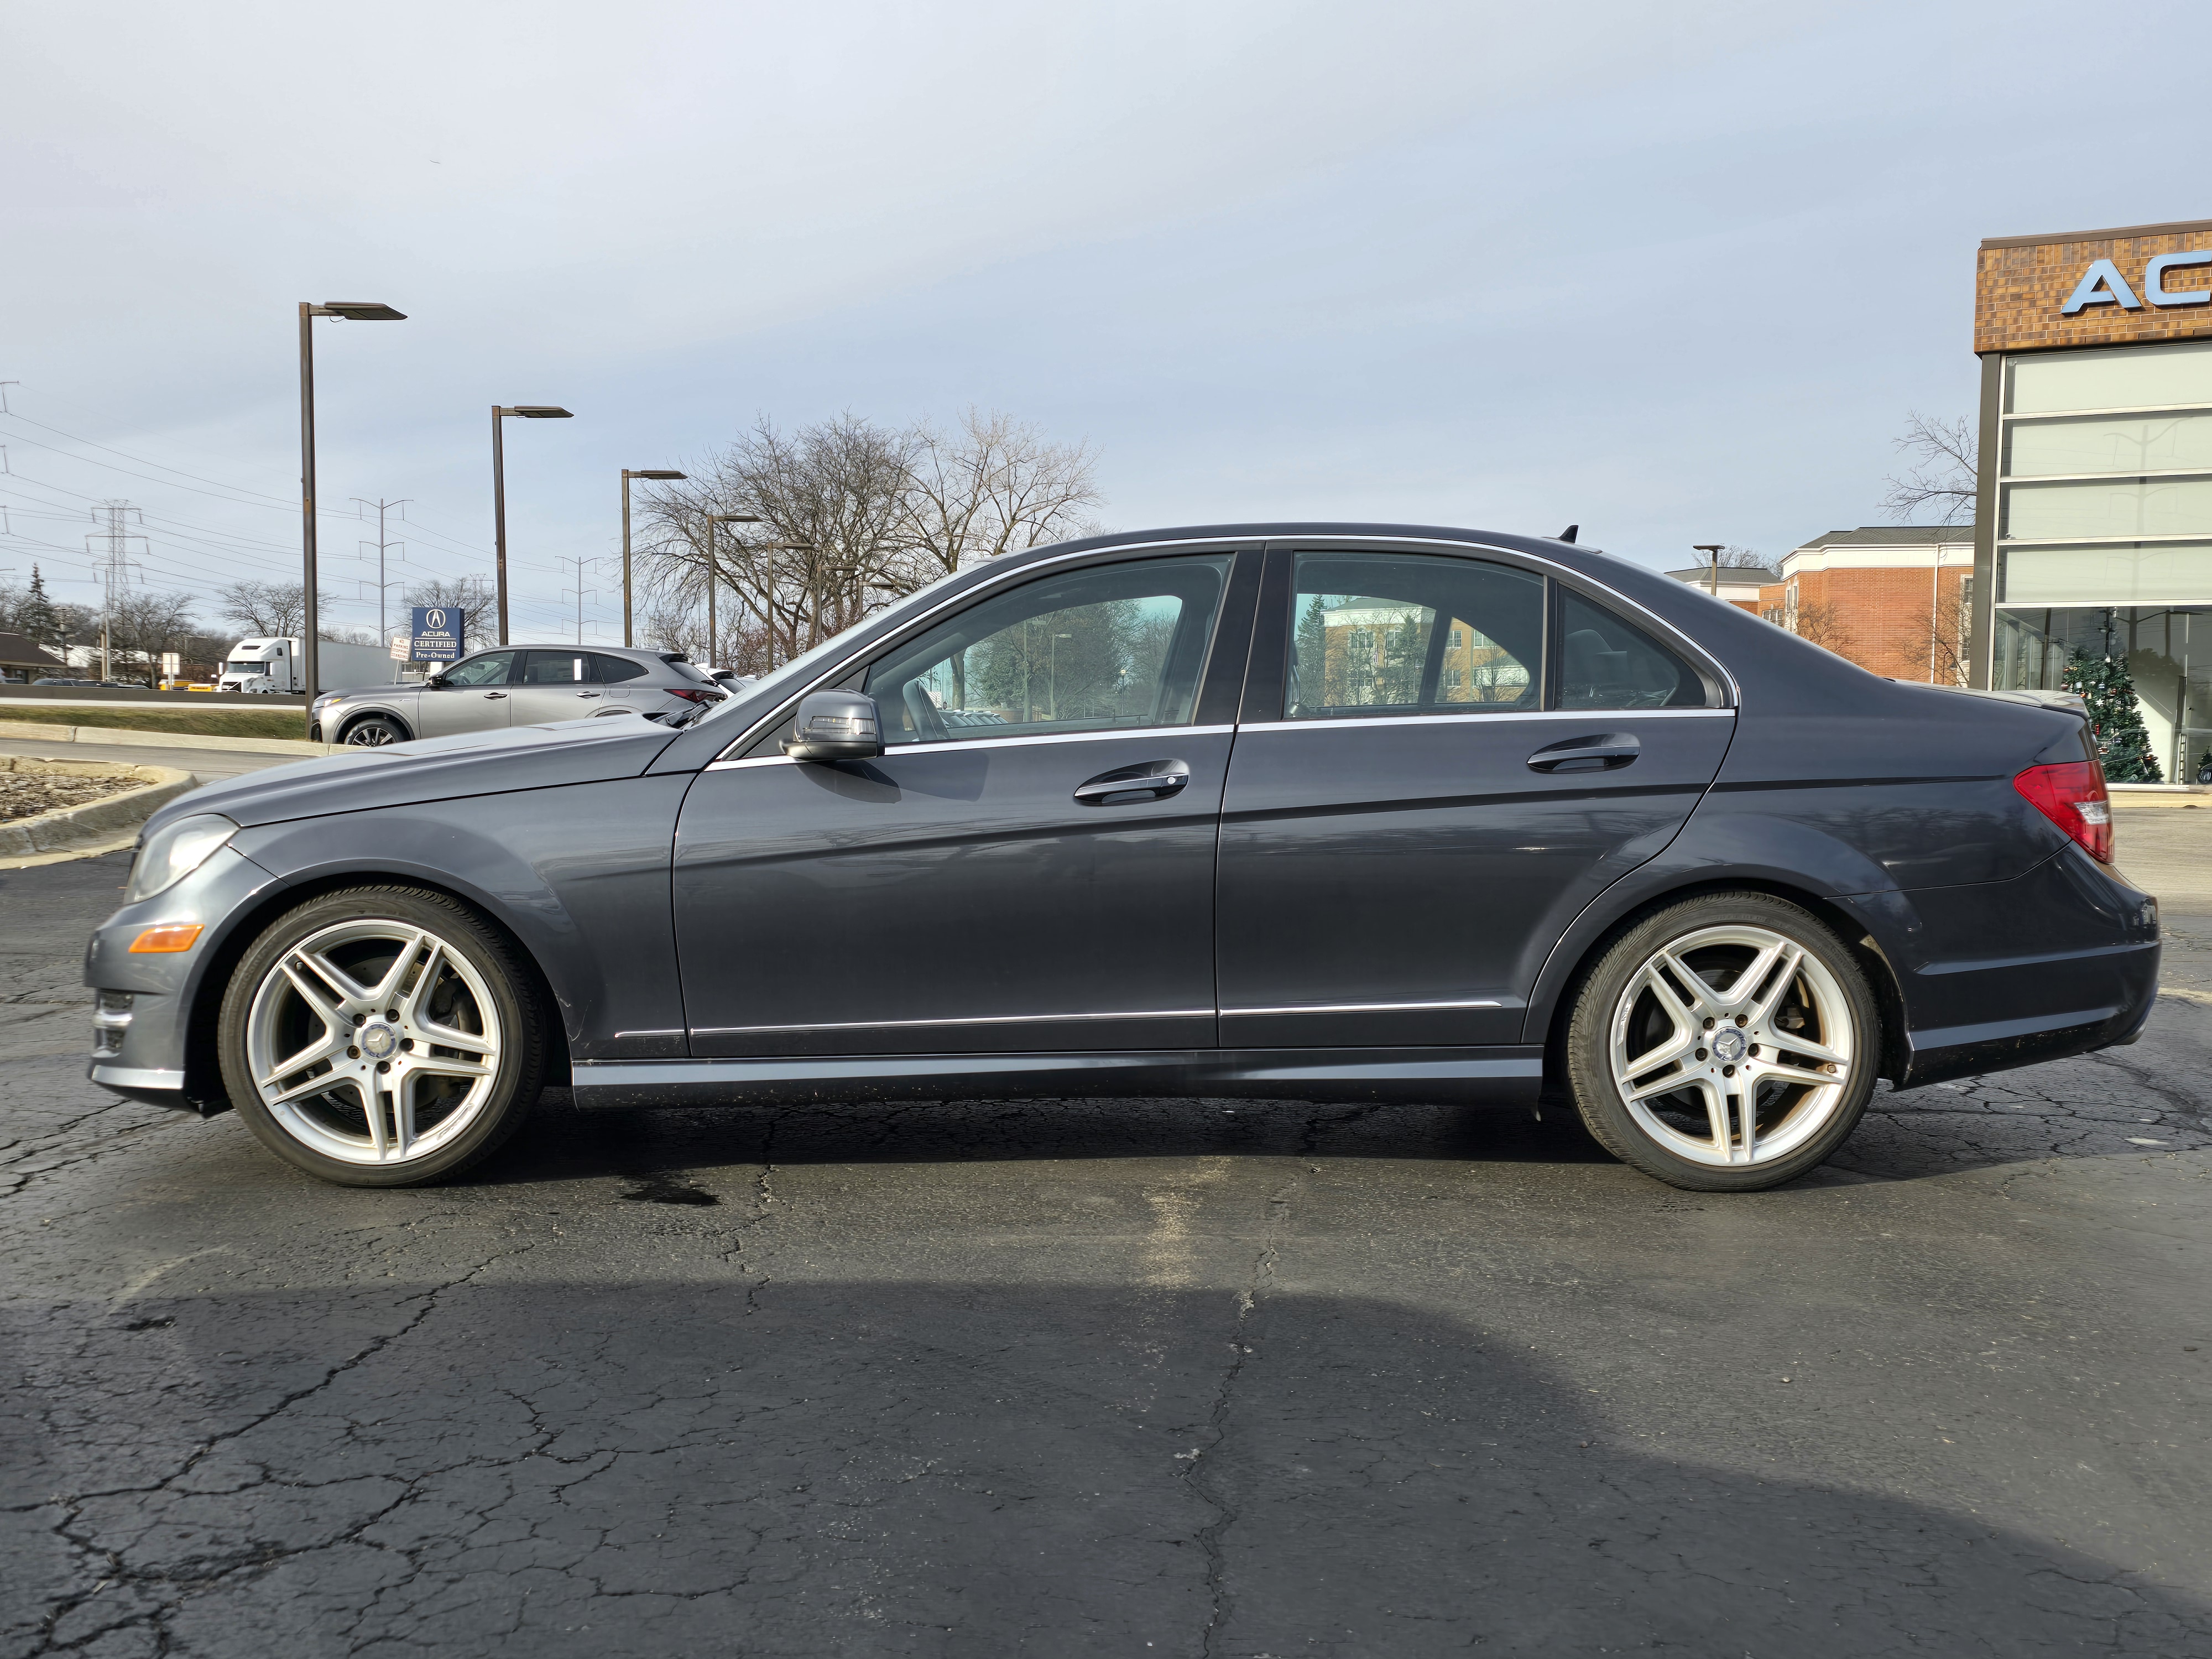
{"x":112,"y":568}
{"x":580,"y":590}
{"x":381,"y":507}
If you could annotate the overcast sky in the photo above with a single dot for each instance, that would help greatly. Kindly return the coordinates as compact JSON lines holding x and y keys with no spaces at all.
{"x":1675,"y":273}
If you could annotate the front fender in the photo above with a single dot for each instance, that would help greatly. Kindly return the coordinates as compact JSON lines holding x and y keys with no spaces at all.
{"x":579,"y":876}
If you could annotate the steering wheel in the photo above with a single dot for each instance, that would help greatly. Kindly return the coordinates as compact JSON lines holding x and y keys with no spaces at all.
{"x":928,"y":724}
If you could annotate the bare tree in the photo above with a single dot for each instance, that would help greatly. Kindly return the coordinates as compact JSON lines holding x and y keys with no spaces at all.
{"x":471,"y":596}
{"x":1821,"y":621}
{"x":995,"y":485}
{"x":144,"y":624}
{"x":1943,"y":472}
{"x":270,"y":611}
{"x":1942,"y":646}
{"x":1742,"y":558}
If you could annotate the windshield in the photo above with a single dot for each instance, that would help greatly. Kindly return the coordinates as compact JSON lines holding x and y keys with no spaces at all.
{"x":799,"y":668}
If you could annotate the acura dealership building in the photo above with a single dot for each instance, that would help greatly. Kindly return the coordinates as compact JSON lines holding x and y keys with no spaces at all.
{"x":2093,"y":530}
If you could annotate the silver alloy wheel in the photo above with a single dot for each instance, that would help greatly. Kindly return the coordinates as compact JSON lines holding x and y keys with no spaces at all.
{"x":373,"y":1041}
{"x":371,"y":734}
{"x":1733,"y":1046}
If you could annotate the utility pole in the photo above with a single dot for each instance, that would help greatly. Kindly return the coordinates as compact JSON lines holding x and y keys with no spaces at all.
{"x":580,"y":564}
{"x":714,"y":519}
{"x":1714,"y":549}
{"x":381,"y":507}
{"x":628,"y":473}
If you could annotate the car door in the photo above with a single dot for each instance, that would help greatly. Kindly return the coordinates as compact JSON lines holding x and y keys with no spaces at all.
{"x":555,"y":685}
{"x":472,"y":695}
{"x":1030,"y":864}
{"x":1441,"y":759}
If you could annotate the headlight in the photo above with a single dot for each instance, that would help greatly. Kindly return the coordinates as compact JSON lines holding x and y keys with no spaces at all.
{"x":327,"y":699}
{"x":173,"y":852}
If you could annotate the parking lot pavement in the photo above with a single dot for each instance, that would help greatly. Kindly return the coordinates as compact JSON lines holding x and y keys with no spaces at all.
{"x":1193,"y":1378}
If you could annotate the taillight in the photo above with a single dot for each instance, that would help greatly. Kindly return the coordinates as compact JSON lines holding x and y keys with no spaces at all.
{"x":692,"y":695}
{"x":2071,"y":794}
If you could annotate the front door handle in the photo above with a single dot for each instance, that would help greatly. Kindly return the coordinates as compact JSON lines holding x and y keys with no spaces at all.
{"x":494,"y":694}
{"x":1152,"y":780}
{"x":588,"y":694}
{"x":1605,"y":753}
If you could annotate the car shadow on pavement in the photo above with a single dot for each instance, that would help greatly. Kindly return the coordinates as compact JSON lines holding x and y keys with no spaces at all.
{"x":501,"y":1465}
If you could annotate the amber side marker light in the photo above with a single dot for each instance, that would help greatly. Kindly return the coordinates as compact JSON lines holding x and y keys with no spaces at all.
{"x":168,"y":936}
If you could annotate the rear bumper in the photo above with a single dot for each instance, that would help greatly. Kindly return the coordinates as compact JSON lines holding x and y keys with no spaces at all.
{"x":2062,"y":961}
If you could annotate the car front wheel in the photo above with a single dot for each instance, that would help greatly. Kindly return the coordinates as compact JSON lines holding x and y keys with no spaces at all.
{"x":1724,"y":1044}
{"x":382,"y":1036}
{"x":374,"y":733}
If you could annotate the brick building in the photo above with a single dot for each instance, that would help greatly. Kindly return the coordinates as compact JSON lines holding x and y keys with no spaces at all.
{"x":1894,"y":599}
{"x":1738,"y":585}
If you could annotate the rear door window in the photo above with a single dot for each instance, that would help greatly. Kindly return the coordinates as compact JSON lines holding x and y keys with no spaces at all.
{"x":1607,"y":663}
{"x":556,"y":668}
{"x":1374,"y":633}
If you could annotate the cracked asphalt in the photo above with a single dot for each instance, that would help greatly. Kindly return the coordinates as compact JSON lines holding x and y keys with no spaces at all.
{"x":1194,"y":1377}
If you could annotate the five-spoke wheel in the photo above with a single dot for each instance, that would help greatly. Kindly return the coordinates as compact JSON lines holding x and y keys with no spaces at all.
{"x":1726,"y":1043}
{"x":379,"y":1036}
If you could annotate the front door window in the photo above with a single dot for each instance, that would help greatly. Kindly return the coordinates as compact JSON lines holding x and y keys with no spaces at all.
{"x":1111,"y":648}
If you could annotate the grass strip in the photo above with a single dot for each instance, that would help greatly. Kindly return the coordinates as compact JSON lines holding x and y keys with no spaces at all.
{"x":206,"y":723}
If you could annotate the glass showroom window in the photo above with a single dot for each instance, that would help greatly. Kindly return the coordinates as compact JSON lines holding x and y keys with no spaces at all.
{"x":2104,"y":532}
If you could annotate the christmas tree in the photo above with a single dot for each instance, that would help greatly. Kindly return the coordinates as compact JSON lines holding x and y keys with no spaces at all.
{"x":2105,"y":685}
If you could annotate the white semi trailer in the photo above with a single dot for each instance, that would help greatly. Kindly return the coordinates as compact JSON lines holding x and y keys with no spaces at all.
{"x":280,"y":666}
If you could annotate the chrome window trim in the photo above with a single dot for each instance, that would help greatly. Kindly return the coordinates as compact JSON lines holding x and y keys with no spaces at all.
{"x":994,"y":743}
{"x":1329,"y":723}
{"x":964,"y":1019}
{"x":1366,"y":1007}
{"x":1233,"y":543}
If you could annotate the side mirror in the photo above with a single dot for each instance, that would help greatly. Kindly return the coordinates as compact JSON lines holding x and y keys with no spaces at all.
{"x":835,"y":726}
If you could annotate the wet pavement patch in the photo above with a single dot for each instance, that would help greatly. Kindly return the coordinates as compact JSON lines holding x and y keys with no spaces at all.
{"x":667,"y":1189}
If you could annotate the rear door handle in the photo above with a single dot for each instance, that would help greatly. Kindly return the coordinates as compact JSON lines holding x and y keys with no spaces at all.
{"x":494,"y":694}
{"x":1606,"y":752}
{"x":588,"y":694}
{"x":1152,"y":780}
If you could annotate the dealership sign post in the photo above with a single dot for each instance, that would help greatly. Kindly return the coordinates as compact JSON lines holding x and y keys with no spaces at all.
{"x":438,"y":631}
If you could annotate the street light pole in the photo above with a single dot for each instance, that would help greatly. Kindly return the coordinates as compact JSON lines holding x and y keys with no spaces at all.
{"x":1714,"y":549}
{"x":528,"y":412}
{"x":628,"y":474}
{"x":358,"y":311}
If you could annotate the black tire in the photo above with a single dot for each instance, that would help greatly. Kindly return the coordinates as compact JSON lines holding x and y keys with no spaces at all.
{"x":374,"y":733}
{"x":513,"y":1081}
{"x":1825,"y":1117}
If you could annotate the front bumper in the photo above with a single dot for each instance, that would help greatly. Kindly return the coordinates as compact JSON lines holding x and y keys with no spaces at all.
{"x":153,"y":1029}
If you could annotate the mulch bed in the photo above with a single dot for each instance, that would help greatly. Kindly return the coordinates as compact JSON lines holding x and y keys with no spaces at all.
{"x":27,"y":794}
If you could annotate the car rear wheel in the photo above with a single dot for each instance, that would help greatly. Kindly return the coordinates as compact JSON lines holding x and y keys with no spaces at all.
{"x":374,"y":733}
{"x":382,"y":1036}
{"x":1724,"y":1044}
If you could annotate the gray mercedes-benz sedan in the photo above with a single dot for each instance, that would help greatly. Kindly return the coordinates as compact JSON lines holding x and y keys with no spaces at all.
{"x":1313,"y":811}
{"x":516,"y":686}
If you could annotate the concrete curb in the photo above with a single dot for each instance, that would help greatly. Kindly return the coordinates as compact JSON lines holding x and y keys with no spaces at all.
{"x":95,"y":826}
{"x":25,"y":731}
